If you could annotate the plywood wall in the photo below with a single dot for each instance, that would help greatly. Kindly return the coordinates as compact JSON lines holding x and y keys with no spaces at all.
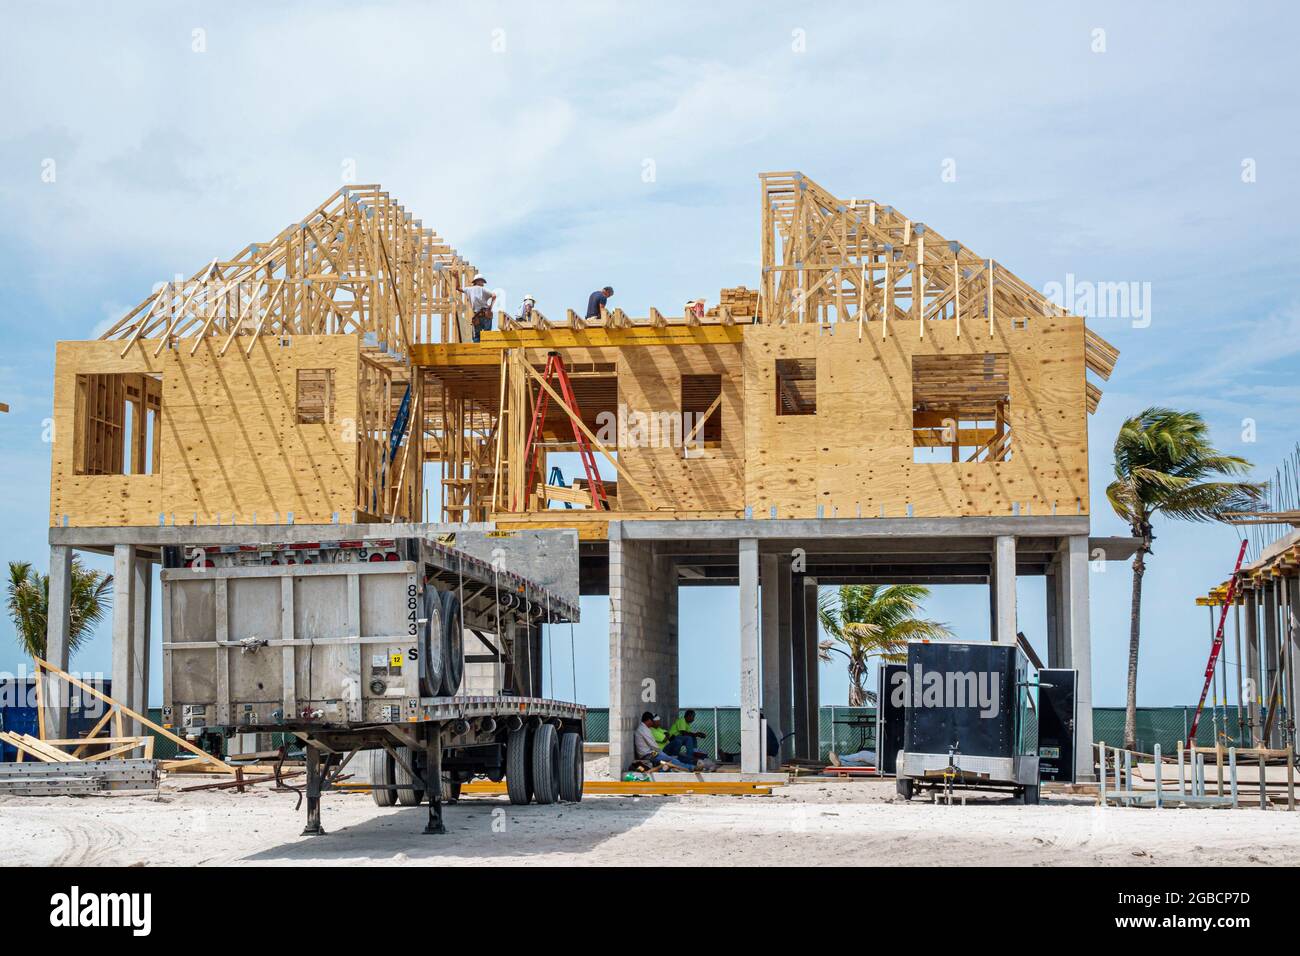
{"x":854,"y":456}
{"x":230,"y":443}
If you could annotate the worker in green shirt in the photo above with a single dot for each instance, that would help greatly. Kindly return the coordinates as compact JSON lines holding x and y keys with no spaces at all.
{"x":681,"y":738}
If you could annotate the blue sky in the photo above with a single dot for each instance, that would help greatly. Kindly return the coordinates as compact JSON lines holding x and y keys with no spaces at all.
{"x":1160,"y":150}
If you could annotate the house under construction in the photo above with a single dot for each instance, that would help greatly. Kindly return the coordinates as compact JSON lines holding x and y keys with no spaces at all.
{"x":878,"y":404}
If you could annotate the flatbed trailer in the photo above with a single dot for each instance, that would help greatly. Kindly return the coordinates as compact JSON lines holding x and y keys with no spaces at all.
{"x":358,"y":646}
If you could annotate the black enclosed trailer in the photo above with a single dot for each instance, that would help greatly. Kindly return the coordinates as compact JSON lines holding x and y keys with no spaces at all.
{"x":1057,"y":713}
{"x":970,"y":718}
{"x":890,"y":714}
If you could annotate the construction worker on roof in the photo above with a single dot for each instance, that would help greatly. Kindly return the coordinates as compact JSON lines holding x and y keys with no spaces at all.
{"x":480,"y":303}
{"x":597,"y":300}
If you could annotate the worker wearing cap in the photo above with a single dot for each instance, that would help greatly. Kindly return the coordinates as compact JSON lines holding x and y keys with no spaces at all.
{"x":526,"y":310}
{"x":597,"y":301}
{"x":682,"y":739}
{"x":480,"y":303}
{"x":646,"y":745}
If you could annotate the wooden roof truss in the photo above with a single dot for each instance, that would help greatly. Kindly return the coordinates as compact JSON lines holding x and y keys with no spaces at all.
{"x":827,"y":259}
{"x":357,"y":263}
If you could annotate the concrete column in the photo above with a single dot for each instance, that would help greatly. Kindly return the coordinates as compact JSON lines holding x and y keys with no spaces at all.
{"x":1292,"y":585}
{"x":1270,"y":663}
{"x":770,"y":639}
{"x":785,"y":654}
{"x":1004,"y":589}
{"x":813,"y":697}
{"x":142,"y":614}
{"x":799,"y":666}
{"x":751,"y":736}
{"x":642,"y":640}
{"x":1057,"y":654}
{"x":58,"y":628}
{"x":1252,"y":689}
{"x":124,"y":590}
{"x":1073,"y":619}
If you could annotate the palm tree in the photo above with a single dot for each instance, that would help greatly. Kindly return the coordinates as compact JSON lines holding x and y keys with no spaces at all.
{"x":1165,"y":464}
{"x":29,"y":601}
{"x":873,"y":620}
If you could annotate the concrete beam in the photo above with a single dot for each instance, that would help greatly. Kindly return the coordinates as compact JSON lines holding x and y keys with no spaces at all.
{"x":806,"y":529}
{"x":751,"y":736}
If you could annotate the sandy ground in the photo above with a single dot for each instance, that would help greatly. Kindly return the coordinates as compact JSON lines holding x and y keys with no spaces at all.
{"x":810,"y":823}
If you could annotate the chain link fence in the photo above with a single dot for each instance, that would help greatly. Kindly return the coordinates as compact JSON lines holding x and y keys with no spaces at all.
{"x":848,"y":729}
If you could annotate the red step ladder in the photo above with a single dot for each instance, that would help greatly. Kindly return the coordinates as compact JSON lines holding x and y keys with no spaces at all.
{"x":1217,"y":644}
{"x":555,"y":371}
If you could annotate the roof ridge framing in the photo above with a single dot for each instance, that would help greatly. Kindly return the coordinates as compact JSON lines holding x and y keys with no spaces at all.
{"x":357,"y":263}
{"x":862,"y":261}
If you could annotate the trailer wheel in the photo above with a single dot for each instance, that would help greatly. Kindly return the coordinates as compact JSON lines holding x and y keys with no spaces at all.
{"x":381,"y":774}
{"x":546,"y":764}
{"x":519,"y":765}
{"x":572,"y":770}
{"x":406,"y":796}
{"x":905,"y":787}
{"x":432,"y":662}
{"x":1030,"y":797}
{"x":453,"y":644}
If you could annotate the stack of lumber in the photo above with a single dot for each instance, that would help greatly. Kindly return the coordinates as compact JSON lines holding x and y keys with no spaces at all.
{"x":741,"y":302}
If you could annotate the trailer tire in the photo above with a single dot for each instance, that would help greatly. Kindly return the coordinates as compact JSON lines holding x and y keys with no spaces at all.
{"x":453,"y":645}
{"x":381,"y":774}
{"x":519,"y":766}
{"x":572,"y":770}
{"x":905,"y":787}
{"x":1030,"y":797}
{"x":406,"y":796}
{"x":432,"y":659}
{"x":546,"y":764}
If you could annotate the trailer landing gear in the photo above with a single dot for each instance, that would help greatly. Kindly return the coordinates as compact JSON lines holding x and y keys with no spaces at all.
{"x":315,"y":774}
{"x":433,"y":781}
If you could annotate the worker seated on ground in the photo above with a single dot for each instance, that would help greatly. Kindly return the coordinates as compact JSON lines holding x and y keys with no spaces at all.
{"x":681,"y":739}
{"x":480,"y":303}
{"x":597,"y":300}
{"x":647,"y":746}
{"x":863,"y":758}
